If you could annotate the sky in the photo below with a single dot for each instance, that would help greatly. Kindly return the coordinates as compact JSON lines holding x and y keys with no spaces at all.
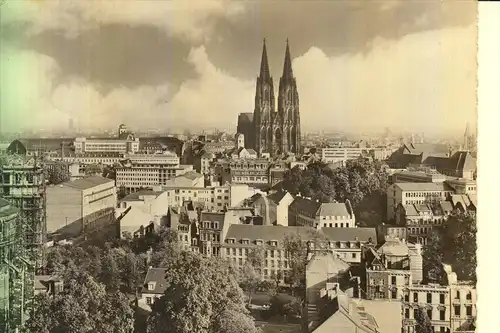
{"x":159,"y":64}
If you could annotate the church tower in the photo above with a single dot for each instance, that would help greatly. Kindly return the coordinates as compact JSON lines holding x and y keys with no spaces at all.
{"x":264,"y":107}
{"x":287,"y":124}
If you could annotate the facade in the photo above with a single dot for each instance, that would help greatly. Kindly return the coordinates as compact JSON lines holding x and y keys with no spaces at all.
{"x":81,"y":205}
{"x":415,"y":193}
{"x":450,"y":308}
{"x":210,"y":230}
{"x":242,"y":238}
{"x":250,"y":171}
{"x":420,"y":219}
{"x":391,"y":269}
{"x":274,"y":208}
{"x":273,"y":131}
{"x":148,"y":170}
{"x":89,"y":145}
{"x":306,"y":212}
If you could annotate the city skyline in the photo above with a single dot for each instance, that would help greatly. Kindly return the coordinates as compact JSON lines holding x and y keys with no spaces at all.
{"x":94,"y":67}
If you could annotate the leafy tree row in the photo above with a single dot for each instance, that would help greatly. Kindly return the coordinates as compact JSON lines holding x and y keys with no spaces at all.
{"x":202,"y":294}
{"x":361,"y":181}
{"x":453,"y":243}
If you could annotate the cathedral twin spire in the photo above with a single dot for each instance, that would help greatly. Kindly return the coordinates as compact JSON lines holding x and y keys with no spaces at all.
{"x":276,"y":132}
{"x":264,"y":63}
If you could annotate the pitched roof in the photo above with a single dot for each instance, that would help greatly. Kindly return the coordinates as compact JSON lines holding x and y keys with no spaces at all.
{"x":410,"y":210}
{"x":305,"y":205}
{"x":88,"y":182}
{"x":278,"y":233}
{"x":463,"y":161}
{"x":446,"y":206}
{"x":267,"y":232}
{"x":245,"y":117}
{"x":155,"y":275}
{"x":350,"y":234}
{"x":431,"y":149}
{"x":251,"y":152}
{"x":423,"y":186}
{"x":277,"y":197}
{"x":212,"y":217}
{"x":334,"y":209}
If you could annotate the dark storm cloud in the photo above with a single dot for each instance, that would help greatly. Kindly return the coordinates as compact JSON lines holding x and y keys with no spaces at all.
{"x":118,"y":54}
{"x":336,"y":27}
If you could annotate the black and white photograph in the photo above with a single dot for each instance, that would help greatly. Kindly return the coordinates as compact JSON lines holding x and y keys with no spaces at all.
{"x":216,"y":166}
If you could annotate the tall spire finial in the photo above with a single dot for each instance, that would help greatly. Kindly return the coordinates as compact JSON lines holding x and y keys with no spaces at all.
{"x":287,"y":68}
{"x":264,"y":64}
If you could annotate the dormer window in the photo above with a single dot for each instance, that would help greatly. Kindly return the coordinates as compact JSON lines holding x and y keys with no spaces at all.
{"x":151,"y":285}
{"x":273,"y":243}
{"x":245,"y":241}
{"x":230,"y":240}
{"x":258,"y":241}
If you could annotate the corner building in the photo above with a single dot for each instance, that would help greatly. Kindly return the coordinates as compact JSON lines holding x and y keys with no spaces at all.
{"x":269,"y":130}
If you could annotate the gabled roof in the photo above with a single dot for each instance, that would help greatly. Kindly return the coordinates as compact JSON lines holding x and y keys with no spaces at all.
{"x":251,"y":152}
{"x":350,"y":234}
{"x":155,"y":275}
{"x":306,"y":205}
{"x":277,"y":197}
{"x":334,"y":209}
{"x":212,"y":217}
{"x":430,"y":149}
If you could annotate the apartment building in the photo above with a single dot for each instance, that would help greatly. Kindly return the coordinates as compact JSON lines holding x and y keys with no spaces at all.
{"x":306,"y":212}
{"x":346,"y":243}
{"x":107,"y":145}
{"x":90,"y":158}
{"x":210,"y":233}
{"x":250,"y":171}
{"x":450,"y":308}
{"x":81,"y":205}
{"x":420,"y":219}
{"x":148,"y":170}
{"x":341,"y":154}
{"x":391,"y":269}
{"x":415,"y":193}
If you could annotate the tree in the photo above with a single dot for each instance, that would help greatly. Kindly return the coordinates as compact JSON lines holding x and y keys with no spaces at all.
{"x":198,"y":291}
{"x":250,"y":275}
{"x":360,"y":181}
{"x":83,"y":306}
{"x":423,"y":323}
{"x":296,"y":251}
{"x":231,"y":321}
{"x":453,"y":243}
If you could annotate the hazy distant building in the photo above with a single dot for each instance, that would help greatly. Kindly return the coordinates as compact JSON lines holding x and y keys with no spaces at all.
{"x":273,"y":131}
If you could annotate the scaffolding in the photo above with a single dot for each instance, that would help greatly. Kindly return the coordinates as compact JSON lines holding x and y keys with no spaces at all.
{"x":22,"y":185}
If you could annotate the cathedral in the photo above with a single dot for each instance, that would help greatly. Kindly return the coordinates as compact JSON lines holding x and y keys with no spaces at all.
{"x":271,"y":130}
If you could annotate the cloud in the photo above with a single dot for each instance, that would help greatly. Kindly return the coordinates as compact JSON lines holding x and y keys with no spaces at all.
{"x":212,"y":99}
{"x":425,"y":81}
{"x":192,"y":19}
